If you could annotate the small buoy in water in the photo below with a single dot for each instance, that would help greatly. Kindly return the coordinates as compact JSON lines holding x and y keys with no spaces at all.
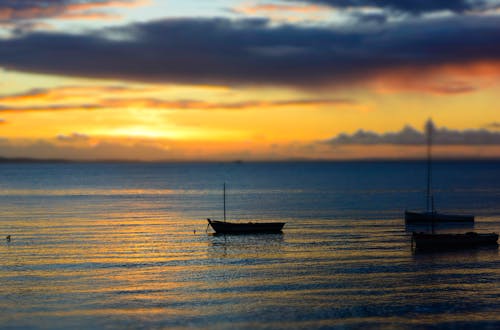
{"x":8,"y":238}
{"x":194,"y":231}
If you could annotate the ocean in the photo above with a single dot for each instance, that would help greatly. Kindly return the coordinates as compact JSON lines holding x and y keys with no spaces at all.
{"x":126,"y":246}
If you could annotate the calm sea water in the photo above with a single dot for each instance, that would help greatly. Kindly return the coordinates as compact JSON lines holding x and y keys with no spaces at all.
{"x":125,"y":246}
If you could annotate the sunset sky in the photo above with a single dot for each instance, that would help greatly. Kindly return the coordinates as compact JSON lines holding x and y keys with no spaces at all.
{"x":247,"y":79}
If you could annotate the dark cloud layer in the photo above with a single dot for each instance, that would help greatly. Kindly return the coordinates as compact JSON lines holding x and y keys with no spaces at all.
{"x":410,"y":6}
{"x":222,"y":51}
{"x":410,"y":136}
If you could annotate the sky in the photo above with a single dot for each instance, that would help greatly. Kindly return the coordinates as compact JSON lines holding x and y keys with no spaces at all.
{"x":176,"y":80}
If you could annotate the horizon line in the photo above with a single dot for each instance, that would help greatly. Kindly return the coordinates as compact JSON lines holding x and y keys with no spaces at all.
{"x":4,"y":160}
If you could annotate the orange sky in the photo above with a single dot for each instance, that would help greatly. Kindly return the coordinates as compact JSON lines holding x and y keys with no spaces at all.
{"x":63,"y":113}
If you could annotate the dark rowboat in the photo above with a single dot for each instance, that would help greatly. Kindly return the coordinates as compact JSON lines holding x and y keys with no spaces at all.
{"x":222,"y":227}
{"x":426,"y":241}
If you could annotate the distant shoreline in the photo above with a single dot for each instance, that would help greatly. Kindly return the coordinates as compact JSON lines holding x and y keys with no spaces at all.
{"x":8,"y":160}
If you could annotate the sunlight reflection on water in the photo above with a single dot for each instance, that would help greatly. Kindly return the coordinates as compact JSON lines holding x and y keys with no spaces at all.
{"x":138,"y":258}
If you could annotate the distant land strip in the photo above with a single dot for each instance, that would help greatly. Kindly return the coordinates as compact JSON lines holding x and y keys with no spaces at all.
{"x":4,"y":160}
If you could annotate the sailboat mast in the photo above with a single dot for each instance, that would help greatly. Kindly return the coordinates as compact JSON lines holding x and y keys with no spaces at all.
{"x":429,"y":129}
{"x":224,"y":202}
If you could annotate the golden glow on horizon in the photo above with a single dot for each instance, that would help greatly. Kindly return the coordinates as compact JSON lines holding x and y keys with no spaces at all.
{"x":223,"y":122}
{"x":149,"y":132}
{"x":250,"y":123}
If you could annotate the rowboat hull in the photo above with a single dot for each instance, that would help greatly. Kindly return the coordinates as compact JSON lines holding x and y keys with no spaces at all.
{"x":423,"y":217}
{"x":440,"y":241}
{"x":222,"y":227}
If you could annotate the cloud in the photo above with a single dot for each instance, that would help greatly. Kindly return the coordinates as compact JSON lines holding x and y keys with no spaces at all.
{"x":19,"y":12}
{"x":73,"y":137}
{"x":442,"y":81}
{"x":70,"y":97}
{"x":494,"y":125}
{"x":95,"y":150}
{"x":53,"y":107}
{"x":266,"y":8}
{"x":255,"y":52}
{"x":284,"y":12}
{"x":68,"y":93}
{"x":410,"y":6}
{"x":203,"y":105}
{"x":410,"y":136}
{"x":103,"y":148}
{"x":152,"y":103}
{"x":366,"y":18}
{"x":29,"y":9}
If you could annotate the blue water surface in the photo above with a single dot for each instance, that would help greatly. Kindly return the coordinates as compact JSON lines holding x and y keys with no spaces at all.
{"x":111,"y":245}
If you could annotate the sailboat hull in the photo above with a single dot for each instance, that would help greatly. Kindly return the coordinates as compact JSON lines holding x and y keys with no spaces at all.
{"x":440,"y":241}
{"x":423,"y":217}
{"x":222,"y":227}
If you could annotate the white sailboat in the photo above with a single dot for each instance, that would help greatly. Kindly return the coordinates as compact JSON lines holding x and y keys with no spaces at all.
{"x":431,"y":215}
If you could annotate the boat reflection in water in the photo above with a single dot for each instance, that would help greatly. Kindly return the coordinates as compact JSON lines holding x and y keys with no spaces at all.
{"x":422,"y":217}
{"x":245,"y":247}
{"x":432,"y":241}
{"x":441,"y":236}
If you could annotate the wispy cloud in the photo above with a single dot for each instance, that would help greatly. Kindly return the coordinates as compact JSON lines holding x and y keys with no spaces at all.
{"x":130,"y":148}
{"x":73,"y":137}
{"x":493,"y":125}
{"x":270,"y":7}
{"x":151,"y":103}
{"x":69,"y":98}
{"x":410,"y":6}
{"x":410,"y":136}
{"x":55,"y":107}
{"x":65,"y":92}
{"x":21,"y":12}
{"x":437,"y":81}
{"x":203,"y":105}
{"x":100,"y":149}
{"x":284,"y":12}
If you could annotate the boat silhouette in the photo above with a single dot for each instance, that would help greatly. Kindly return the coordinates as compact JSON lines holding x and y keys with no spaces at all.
{"x":431,"y":215}
{"x":226,"y":227}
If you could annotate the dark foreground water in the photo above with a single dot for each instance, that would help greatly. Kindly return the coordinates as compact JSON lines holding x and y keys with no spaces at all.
{"x":124,"y":246}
